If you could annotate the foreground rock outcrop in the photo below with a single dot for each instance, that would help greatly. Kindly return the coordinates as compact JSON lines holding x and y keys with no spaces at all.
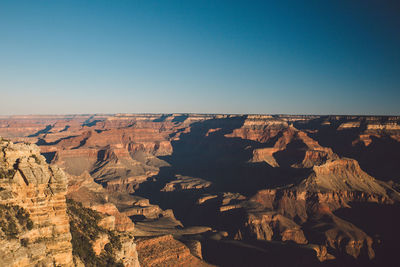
{"x":38,"y":228}
{"x":35,"y":226}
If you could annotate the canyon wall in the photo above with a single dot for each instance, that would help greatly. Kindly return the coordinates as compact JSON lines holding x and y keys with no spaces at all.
{"x":38,"y":228}
{"x":230,"y":178}
{"x":35,"y":225}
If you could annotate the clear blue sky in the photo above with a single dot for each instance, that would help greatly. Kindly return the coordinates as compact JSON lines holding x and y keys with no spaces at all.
{"x":300,"y":57}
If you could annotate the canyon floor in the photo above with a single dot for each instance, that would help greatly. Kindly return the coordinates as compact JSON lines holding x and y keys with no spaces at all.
{"x":209,"y":190}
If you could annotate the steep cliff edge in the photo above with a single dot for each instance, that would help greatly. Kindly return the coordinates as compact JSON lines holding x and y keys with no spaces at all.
{"x":95,"y":241}
{"x":38,"y":227}
{"x":32,"y":196}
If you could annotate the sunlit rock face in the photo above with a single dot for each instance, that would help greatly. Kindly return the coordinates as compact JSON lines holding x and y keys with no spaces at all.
{"x":95,"y":240}
{"x":311,"y":181}
{"x":41,"y":235}
{"x":35,"y":220}
{"x":166,"y":251}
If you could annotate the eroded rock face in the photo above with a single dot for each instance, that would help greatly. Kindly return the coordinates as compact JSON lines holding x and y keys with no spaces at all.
{"x":37,"y":231}
{"x":166,"y":251}
{"x":95,"y":245}
{"x":331,"y":186}
{"x":40,"y":190}
{"x":83,"y":189}
{"x":186,"y":183}
{"x":257,"y":177}
{"x":271,"y":226}
{"x":307,"y":206}
{"x":121,"y":208}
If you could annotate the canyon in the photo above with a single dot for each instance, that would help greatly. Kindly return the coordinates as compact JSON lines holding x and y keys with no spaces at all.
{"x":200,"y":190}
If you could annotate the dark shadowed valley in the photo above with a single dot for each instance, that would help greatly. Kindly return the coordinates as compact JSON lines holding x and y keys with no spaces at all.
{"x":200,"y":190}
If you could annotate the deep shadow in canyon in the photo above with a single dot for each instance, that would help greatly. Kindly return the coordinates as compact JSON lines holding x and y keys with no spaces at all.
{"x":257,"y":253}
{"x":381,"y":222}
{"x":205,"y":152}
{"x":379,"y":159}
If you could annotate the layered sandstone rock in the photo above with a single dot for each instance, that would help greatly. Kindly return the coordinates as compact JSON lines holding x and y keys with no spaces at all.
{"x":121,"y":208}
{"x":37,"y":230}
{"x":288,"y":175}
{"x":332,"y":185}
{"x":185,"y":183}
{"x":271,"y":225}
{"x":83,"y":189}
{"x":259,"y":128}
{"x":95,"y":245}
{"x":40,"y":190}
{"x":166,"y":251}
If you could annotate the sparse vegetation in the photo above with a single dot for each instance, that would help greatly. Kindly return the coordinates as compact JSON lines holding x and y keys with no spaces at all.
{"x":3,"y":139}
{"x":85,"y":229}
{"x":23,"y":217}
{"x":114,"y":240}
{"x":13,"y":219}
{"x":37,"y":160}
{"x":24,"y":242}
{"x":7,"y":173}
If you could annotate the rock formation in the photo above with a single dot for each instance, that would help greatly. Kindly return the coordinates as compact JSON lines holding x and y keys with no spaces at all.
{"x":244,"y":182}
{"x":185,"y":183}
{"x":95,"y":241}
{"x":166,"y":251}
{"x":35,"y":225}
{"x":38,"y":228}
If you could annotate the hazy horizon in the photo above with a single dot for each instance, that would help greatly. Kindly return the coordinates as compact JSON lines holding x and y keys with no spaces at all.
{"x":191,"y":113}
{"x":109,"y":57}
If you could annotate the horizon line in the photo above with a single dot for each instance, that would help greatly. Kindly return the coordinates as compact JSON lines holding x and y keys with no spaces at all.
{"x":194,"y":113}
